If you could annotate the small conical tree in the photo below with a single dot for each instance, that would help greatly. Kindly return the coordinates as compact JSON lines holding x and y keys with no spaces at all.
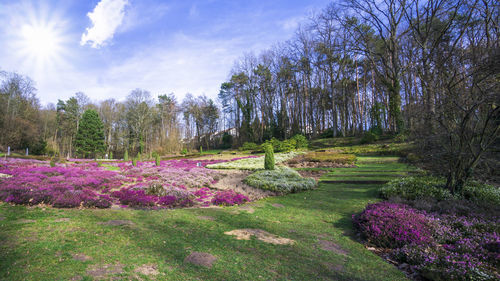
{"x":269,"y":158}
{"x":125,"y":157}
{"x":111,"y":155}
{"x":157,"y":159}
{"x":89,"y":139}
{"x":201,"y":149}
{"x":134,"y":162}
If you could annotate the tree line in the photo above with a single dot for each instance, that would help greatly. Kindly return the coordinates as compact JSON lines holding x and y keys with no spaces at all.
{"x":428,"y":70}
{"x":140,"y":124}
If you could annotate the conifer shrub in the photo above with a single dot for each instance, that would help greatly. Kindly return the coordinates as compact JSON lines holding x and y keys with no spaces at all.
{"x":269,"y":158}
{"x":125,"y":157}
{"x":157,"y":159}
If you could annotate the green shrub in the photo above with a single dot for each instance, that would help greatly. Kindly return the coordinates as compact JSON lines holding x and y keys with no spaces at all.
{"x":157,"y":159}
{"x":99,"y":164}
{"x":269,"y":158}
{"x":111,"y":155}
{"x":134,"y":162}
{"x":227,"y":140}
{"x":288,"y":145}
{"x":402,"y":137}
{"x":369,"y":137}
{"x":481,"y":193}
{"x":300,"y":141}
{"x":201,"y":149}
{"x":249,"y":146}
{"x":52,"y":162}
{"x":125,"y":156}
{"x":412,"y":188}
{"x":281,"y":180}
{"x":333,"y":157}
{"x":184,"y":151}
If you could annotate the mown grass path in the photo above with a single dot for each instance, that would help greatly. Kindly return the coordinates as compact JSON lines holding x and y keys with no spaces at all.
{"x":69,"y":244}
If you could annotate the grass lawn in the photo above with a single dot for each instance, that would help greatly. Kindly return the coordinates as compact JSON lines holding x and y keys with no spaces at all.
{"x":57,"y":244}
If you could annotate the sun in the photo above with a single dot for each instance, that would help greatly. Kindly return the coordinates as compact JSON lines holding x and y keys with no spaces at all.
{"x":40,"y":43}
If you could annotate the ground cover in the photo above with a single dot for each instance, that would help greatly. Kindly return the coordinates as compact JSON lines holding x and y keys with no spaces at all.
{"x":256,"y":163}
{"x":80,"y":183}
{"x":55,"y":244}
{"x":282,"y":180}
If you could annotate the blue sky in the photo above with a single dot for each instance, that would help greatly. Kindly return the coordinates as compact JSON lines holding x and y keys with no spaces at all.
{"x":107,"y":48}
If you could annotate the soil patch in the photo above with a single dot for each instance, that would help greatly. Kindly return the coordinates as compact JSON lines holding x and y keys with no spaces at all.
{"x":207,"y":218}
{"x":313,"y":174}
{"x":62,"y":220}
{"x":148,"y":269}
{"x":331,"y":247}
{"x":262,"y":235}
{"x":357,"y":182}
{"x":24,"y":221}
{"x":201,"y":259}
{"x":81,"y":257}
{"x":247,"y":208}
{"x":234,"y":180}
{"x":117,"y":222}
{"x":333,"y":267}
{"x":101,"y":272}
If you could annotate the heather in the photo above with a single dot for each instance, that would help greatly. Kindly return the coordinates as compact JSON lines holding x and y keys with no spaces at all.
{"x":281,"y":180}
{"x":428,"y":187}
{"x":439,"y":247}
{"x":254,"y":163}
{"x":78,"y":184}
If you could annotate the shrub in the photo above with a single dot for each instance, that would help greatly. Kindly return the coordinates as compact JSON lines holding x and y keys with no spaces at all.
{"x":134,"y":162}
{"x":288,"y":145}
{"x":481,"y":193}
{"x":157,"y":160}
{"x":135,"y":198}
{"x":332,"y":157}
{"x":249,"y":146}
{"x":269,"y":158}
{"x":68,"y":199}
{"x":300,"y":141}
{"x":229,"y":198}
{"x":184,"y":151}
{"x":412,"y":188}
{"x":369,"y":137}
{"x":52,"y":162}
{"x":281,"y":180}
{"x":125,"y":157}
{"x":392,"y":225}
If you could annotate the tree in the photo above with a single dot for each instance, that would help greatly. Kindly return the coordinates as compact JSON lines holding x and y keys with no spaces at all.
{"x":90,"y":136}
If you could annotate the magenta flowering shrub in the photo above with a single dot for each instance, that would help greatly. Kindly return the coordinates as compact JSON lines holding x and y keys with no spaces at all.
{"x":229,"y":198}
{"x":392,"y":225}
{"x":135,"y":198}
{"x":439,"y":247}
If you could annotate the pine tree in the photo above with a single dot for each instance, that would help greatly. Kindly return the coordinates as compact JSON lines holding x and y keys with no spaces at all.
{"x":269,"y":157}
{"x":90,"y":136}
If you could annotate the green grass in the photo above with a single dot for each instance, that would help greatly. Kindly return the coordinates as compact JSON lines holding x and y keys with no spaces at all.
{"x":111,"y":167}
{"x":212,"y":151}
{"x":42,"y":250}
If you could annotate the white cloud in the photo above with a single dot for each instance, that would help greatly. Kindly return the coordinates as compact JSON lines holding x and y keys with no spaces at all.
{"x":106,"y":17}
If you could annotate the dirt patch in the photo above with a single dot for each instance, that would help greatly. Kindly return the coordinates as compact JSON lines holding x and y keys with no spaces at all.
{"x":331,"y":247}
{"x":117,"y":222}
{"x":333,"y":267}
{"x":262,"y":235}
{"x":101,"y":272}
{"x":313,"y":174}
{"x":62,"y":220}
{"x":148,"y":269}
{"x":356,"y":182}
{"x":247,"y":208}
{"x":207,"y":218}
{"x":277,"y":205}
{"x":201,"y":259}
{"x":81,"y":257}
{"x":24,"y":221}
{"x":234,"y":180}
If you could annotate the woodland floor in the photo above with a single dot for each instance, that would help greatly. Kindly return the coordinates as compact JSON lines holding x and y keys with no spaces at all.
{"x":303,"y":236}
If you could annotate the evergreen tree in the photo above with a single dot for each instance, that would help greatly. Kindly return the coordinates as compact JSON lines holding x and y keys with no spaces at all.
{"x":90,"y":136}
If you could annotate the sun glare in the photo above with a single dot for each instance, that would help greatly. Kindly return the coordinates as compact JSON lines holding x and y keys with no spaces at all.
{"x":40,"y":41}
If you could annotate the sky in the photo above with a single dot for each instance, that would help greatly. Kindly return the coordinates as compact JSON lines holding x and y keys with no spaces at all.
{"x":107,"y":48}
